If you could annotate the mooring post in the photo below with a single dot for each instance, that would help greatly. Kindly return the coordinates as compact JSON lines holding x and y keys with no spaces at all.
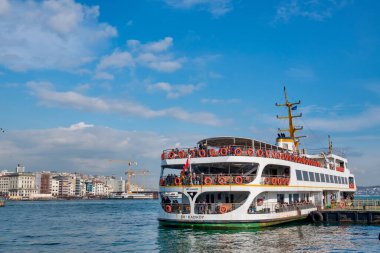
{"x":369,"y":217}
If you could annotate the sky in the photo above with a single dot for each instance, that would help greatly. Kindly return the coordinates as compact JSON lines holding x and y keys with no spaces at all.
{"x":87,"y":86}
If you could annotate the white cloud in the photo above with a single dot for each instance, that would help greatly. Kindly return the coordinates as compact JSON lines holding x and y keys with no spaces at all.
{"x":152,"y":55}
{"x":80,"y":125}
{"x":175,"y":91}
{"x":70,"y":99}
{"x":367,"y":119}
{"x":104,"y":76}
{"x":4,"y":6}
{"x":215,"y":7}
{"x":314,"y":10}
{"x":118,"y":59}
{"x":159,"y":46}
{"x":87,"y":148}
{"x":50,"y":34}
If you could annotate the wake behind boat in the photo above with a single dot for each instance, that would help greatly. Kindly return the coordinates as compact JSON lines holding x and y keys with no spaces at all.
{"x":242,"y":182}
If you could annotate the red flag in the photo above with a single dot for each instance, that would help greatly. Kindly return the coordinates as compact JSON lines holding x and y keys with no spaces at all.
{"x":187,"y":165}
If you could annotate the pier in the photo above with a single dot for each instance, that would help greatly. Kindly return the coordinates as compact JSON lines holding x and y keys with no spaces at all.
{"x":357,"y":211}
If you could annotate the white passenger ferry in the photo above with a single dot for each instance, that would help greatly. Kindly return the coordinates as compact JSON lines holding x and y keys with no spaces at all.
{"x":241,"y":182}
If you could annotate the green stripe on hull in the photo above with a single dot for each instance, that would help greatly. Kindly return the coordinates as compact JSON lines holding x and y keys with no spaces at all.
{"x":230,"y":225}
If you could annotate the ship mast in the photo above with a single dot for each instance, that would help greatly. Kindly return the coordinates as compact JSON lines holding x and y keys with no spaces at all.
{"x":292,"y":129}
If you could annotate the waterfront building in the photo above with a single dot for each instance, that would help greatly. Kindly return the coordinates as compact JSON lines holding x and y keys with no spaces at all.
{"x":4,"y":185}
{"x":21,"y":185}
{"x":45,"y":187}
{"x":89,"y":188}
{"x":54,"y":187}
{"x":99,"y":188}
{"x":115,"y":185}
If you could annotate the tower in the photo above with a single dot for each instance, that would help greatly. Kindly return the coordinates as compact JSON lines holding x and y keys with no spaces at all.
{"x":290,"y":142}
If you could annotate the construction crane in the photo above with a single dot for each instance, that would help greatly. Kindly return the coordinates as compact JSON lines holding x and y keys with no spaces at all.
{"x":131,"y":173}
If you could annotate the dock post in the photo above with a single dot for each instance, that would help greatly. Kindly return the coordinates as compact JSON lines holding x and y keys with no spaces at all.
{"x":369,"y":217}
{"x":356,"y":216}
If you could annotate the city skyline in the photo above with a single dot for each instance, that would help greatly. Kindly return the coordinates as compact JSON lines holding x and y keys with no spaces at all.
{"x":86,"y":82}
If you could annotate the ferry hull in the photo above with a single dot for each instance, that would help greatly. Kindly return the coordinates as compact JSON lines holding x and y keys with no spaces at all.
{"x":228,"y":224}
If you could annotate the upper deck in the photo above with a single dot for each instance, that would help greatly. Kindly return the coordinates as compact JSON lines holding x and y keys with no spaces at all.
{"x":238,"y":146}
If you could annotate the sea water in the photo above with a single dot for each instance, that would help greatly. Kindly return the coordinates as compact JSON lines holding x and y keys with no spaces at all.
{"x":132,"y":226}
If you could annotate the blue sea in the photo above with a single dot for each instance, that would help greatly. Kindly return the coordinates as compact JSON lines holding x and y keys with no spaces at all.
{"x":132,"y":226}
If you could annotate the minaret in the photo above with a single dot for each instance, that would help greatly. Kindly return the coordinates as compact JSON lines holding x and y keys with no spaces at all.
{"x":290,"y":142}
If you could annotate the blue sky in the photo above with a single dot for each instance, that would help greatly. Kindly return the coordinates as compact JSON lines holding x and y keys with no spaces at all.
{"x":83,"y":82}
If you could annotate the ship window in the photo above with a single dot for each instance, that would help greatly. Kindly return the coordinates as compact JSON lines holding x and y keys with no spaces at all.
{"x":299,"y":175}
{"x":336,"y":179}
{"x":327,"y":178}
{"x":323,"y":177}
{"x":340,"y":180}
{"x":331,"y":179}
{"x":345,"y":180}
{"x":311,"y":175}
{"x":317,"y":177}
{"x":305,"y":176}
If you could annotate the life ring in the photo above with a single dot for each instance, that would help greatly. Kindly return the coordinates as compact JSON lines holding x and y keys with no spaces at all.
{"x":163,"y":156}
{"x":222,"y":180}
{"x":192,"y":153}
{"x":223,"y":209}
{"x":283,"y":181}
{"x":177,"y":181}
{"x":162,"y":182}
{"x":267,"y":180}
{"x":202,"y":153}
{"x":316,"y":217}
{"x":260,"y":202}
{"x":287,"y":181}
{"x":181,"y":154}
{"x":342,"y":204}
{"x":212,"y":152}
{"x":171,"y":155}
{"x":267,"y":153}
{"x":274,"y":180}
{"x":279,"y":181}
{"x":259,"y":153}
{"x":168,"y":208}
{"x":250,"y":152}
{"x":207,"y":180}
{"x":238,"y":152}
{"x":238,"y":180}
{"x":223,"y":151}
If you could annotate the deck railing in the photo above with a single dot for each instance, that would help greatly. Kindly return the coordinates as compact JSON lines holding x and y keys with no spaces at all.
{"x":359,"y":204}
{"x":279,"y":208}
{"x":176,"y":208}
{"x":206,"y":179}
{"x":215,"y":208}
{"x":236,"y":151}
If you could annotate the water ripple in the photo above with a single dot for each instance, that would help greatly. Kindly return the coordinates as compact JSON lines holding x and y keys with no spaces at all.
{"x":131,"y":226}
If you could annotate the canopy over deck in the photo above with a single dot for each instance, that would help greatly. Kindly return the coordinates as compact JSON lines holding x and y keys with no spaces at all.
{"x":237,"y":141}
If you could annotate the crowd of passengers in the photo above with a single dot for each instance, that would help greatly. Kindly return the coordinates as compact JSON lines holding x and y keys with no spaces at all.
{"x":200,"y":208}
{"x":230,"y":149}
{"x":282,"y":207}
{"x":199,"y":179}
